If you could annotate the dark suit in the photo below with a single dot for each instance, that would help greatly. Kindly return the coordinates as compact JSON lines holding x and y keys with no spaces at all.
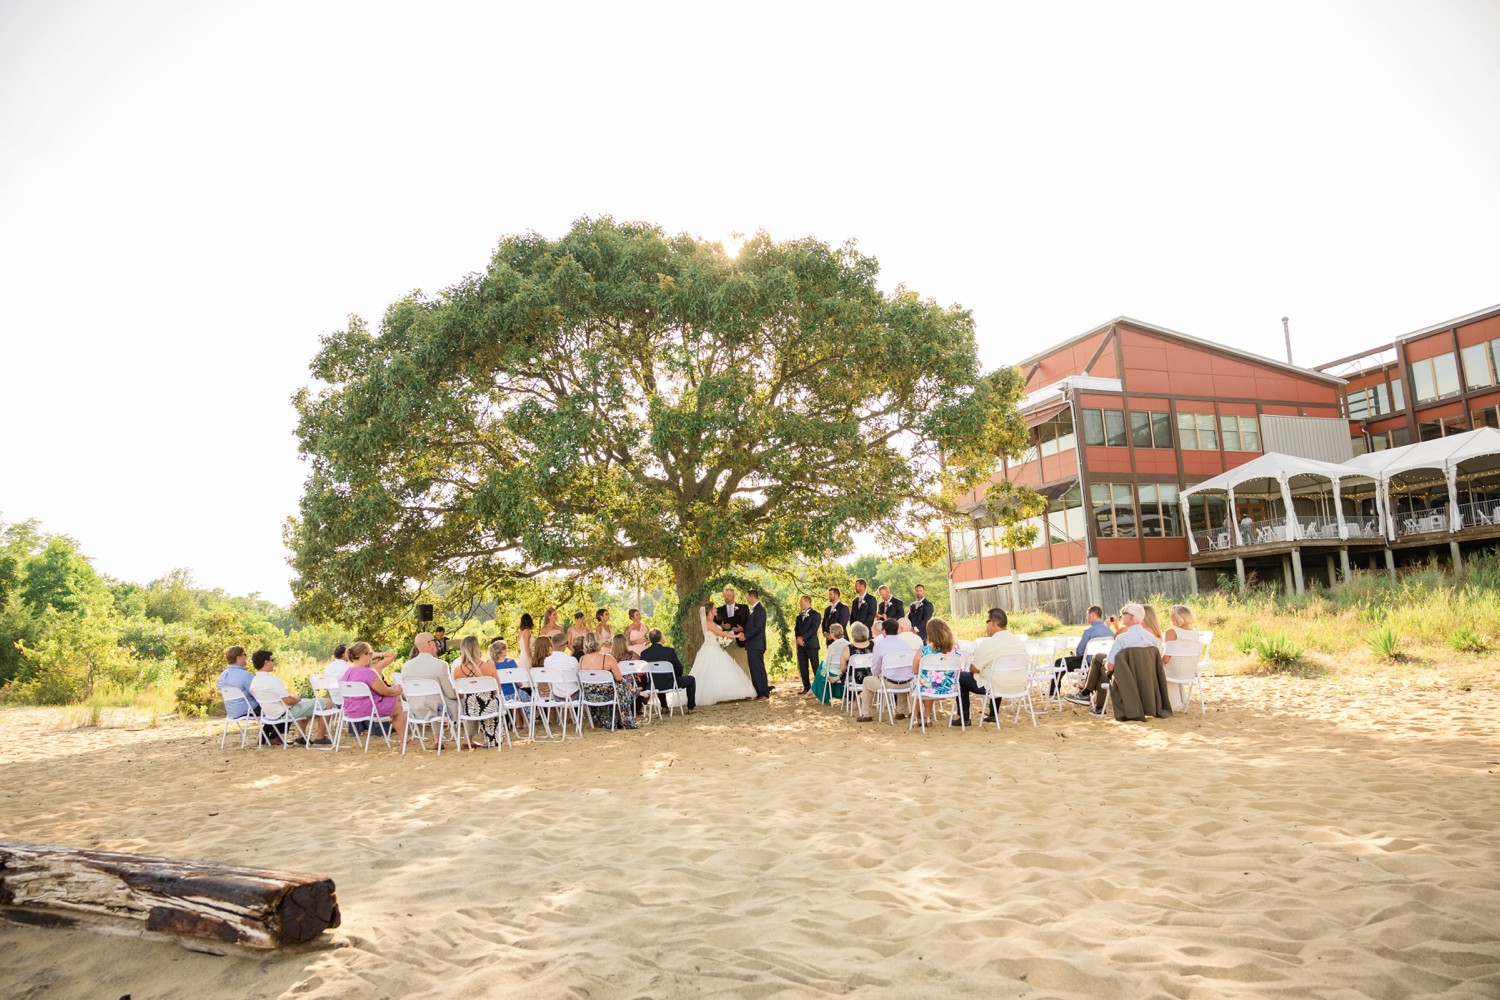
{"x":755,"y":649}
{"x":919,"y":614}
{"x":862,"y":610}
{"x":657,"y":653}
{"x":730,"y":622}
{"x":891,"y":609}
{"x":808,"y":623}
{"x":836,"y":614}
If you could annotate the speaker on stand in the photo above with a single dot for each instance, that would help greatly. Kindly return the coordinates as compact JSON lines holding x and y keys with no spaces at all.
{"x":424,"y":612}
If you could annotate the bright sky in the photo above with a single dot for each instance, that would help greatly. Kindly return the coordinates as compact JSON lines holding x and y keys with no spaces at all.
{"x":191,"y":194}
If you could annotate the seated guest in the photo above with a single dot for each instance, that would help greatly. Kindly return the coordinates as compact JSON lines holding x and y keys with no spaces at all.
{"x":907,"y":634}
{"x":336,"y":667}
{"x":562,"y":658}
{"x":895,"y":676}
{"x":637,"y":636}
{"x":500,"y":659}
{"x":1096,"y":630}
{"x":1150,"y":623}
{"x":1133,"y":634}
{"x":623,"y":690}
{"x":1181,"y":630}
{"x":999,"y":641}
{"x":276,"y":702}
{"x":828,"y":682}
{"x":364,"y":668}
{"x":655,"y":652}
{"x":471,"y":664}
{"x":578,"y":631}
{"x":426,"y":666}
{"x":237,"y":677}
{"x":940,"y":641}
{"x":859,"y":641}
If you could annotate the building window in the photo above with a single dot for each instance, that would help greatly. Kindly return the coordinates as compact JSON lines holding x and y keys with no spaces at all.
{"x":1398,"y":396}
{"x":1114,"y":428}
{"x":1065,"y":518}
{"x":1358,"y":444}
{"x":1197,"y":433}
{"x":1056,"y":434}
{"x":1209,"y":513}
{"x":1161,"y":517}
{"x":1150,"y":429}
{"x":1482,"y":365}
{"x":1240,"y":433}
{"x":1105,"y":428}
{"x":1113,"y":510}
{"x":965,"y":545}
{"x":1431,"y":430}
{"x":1435,"y":378}
{"x":1487,"y":417}
{"x":1093,"y":426}
{"x":1371,"y":401}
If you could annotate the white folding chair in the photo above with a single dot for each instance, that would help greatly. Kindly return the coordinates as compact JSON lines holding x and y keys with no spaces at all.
{"x":281,"y":722}
{"x":1205,"y":662}
{"x":932,"y":671}
{"x":859,"y":663}
{"x":641,"y":671}
{"x":1008,"y":678}
{"x":610,"y":701}
{"x":1094,"y":648}
{"x":1185,"y":670}
{"x":479,"y":686}
{"x":232,"y":696}
{"x":370,"y":716}
{"x":518,"y":700}
{"x":423,"y":722}
{"x":664,"y":682}
{"x":563,"y":697}
{"x":888,"y":691}
{"x":1043,"y":653}
{"x":328,"y":708}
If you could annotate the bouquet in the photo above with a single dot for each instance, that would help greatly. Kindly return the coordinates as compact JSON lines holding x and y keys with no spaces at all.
{"x":724,"y":641}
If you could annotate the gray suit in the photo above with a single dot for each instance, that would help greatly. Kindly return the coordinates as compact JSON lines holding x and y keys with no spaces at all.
{"x":430,"y":668}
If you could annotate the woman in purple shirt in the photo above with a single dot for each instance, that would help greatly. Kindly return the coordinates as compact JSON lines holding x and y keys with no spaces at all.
{"x":364,"y":666}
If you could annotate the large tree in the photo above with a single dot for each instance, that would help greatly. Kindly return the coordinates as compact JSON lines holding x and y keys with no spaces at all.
{"x":621,"y":394}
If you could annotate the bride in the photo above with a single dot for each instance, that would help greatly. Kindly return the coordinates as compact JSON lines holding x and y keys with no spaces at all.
{"x":719,"y":677}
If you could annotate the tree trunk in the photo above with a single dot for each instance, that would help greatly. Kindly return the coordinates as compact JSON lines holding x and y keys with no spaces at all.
{"x":250,"y":907}
{"x":688,"y":577}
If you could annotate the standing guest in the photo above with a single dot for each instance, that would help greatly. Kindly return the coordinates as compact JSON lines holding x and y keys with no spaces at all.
{"x":523,"y":642}
{"x":920,"y":612}
{"x":862,"y":609}
{"x":440,"y":641}
{"x":623,"y":690}
{"x":276,"y":701}
{"x":889,"y":607}
{"x":828,"y":685}
{"x":895,"y":676}
{"x":837,"y":613}
{"x":426,"y":666}
{"x":236,"y":676}
{"x":578,"y":631}
{"x":471,"y":663}
{"x":907,"y":634}
{"x":637,"y":636}
{"x":755,"y":645}
{"x":658,"y":653}
{"x":1181,"y":630}
{"x":364,"y":668}
{"x":999,"y":641}
{"x":602,"y":628}
{"x":551,"y":628}
{"x":338,"y":665}
{"x":806,"y":631}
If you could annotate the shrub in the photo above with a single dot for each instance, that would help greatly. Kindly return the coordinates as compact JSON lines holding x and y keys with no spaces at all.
{"x":1466,"y":640}
{"x":1386,"y":644}
{"x":1034,"y":621}
{"x":1279,"y":651}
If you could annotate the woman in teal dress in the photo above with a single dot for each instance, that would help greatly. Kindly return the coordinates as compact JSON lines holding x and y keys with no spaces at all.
{"x":828,"y":685}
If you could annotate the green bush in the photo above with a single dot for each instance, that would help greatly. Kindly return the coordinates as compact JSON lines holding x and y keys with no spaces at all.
{"x":1386,"y":644}
{"x":1279,"y":651}
{"x":1466,"y":640}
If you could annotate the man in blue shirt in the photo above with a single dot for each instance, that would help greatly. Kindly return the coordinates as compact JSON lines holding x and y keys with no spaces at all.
{"x":1097,"y":629}
{"x":236,"y":676}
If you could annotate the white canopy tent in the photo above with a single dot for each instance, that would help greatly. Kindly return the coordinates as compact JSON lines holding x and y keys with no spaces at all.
{"x":1275,"y":473}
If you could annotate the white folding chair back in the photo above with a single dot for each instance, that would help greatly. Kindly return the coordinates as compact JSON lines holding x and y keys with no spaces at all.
{"x":276,"y":718}
{"x":859,"y":663}
{"x":888,"y":690}
{"x":1008,"y":678}
{"x":565,"y":703}
{"x":1095,"y":647}
{"x":931,"y":671}
{"x":1184,"y":669}
{"x":610,"y":701}
{"x":481,"y":686}
{"x":370,"y":716}
{"x":230,"y":696}
{"x":327,"y":707}
{"x":518,"y":700}
{"x":1205,"y":660}
{"x":664,"y":681}
{"x":423,"y":722}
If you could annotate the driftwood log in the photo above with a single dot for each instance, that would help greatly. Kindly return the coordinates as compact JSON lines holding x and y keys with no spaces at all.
{"x":247,"y":907}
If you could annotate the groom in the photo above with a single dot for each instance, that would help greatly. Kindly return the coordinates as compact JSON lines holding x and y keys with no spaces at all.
{"x":755,"y":645}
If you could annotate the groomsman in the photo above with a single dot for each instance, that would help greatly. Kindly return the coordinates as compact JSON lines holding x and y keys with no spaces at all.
{"x":889,"y":607}
{"x":863,"y":608}
{"x":919,"y":612}
{"x":808,"y":622}
{"x":836,"y":614}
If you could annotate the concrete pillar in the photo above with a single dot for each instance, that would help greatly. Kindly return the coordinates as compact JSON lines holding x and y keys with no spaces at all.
{"x":1096,"y":585}
{"x":1239,"y":568}
{"x":1333,"y":576}
{"x":1192,"y":579}
{"x":1458,"y":559}
{"x":1286,"y":573}
{"x":1297,"y":570}
{"x":1344,"y":563}
{"x":1390,"y":564}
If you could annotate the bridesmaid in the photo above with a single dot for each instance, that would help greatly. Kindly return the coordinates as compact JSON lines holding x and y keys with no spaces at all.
{"x":550,"y":627}
{"x":604,"y":631}
{"x":635,"y":634}
{"x":578,"y":631}
{"x":523,"y":643}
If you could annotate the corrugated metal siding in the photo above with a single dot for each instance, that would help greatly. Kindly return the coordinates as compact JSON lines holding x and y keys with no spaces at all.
{"x":1068,"y":597}
{"x":1321,"y":438}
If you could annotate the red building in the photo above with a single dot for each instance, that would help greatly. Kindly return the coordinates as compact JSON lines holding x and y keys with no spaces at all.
{"x":1124,"y":416}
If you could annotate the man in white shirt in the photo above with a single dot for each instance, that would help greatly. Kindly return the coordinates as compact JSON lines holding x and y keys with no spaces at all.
{"x":339,"y":665}
{"x":999,"y":642}
{"x":426,"y":665}
{"x":276,"y":701}
{"x":1133,"y":635}
{"x":895,"y":676}
{"x":907,"y":635}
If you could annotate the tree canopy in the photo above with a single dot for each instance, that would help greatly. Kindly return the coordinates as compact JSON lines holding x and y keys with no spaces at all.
{"x":621,"y":395}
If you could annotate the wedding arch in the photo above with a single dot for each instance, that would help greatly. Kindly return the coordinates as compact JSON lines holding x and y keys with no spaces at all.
{"x":775,"y":612}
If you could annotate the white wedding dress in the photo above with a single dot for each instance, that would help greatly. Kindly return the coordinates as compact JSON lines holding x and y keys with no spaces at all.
{"x":719,"y":677}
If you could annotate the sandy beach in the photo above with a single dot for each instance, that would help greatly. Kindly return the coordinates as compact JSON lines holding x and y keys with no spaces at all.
{"x":1307,"y":838}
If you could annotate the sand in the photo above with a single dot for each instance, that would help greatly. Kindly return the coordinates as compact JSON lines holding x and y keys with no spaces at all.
{"x":1304,"y":839}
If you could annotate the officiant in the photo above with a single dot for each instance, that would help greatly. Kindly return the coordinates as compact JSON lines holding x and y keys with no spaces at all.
{"x":731,"y":615}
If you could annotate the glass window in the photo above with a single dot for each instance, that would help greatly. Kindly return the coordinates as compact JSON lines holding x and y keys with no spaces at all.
{"x":1114,"y":428}
{"x":1398,"y":395}
{"x":1187,"y":431}
{"x":1422,"y":382}
{"x":1208,"y":437}
{"x":1229,"y":427}
{"x":1171,"y":510}
{"x":1479,"y":364}
{"x":1357,"y":443}
{"x":1435,"y":378}
{"x":1487,"y":417}
{"x":1161,"y":516}
{"x":1250,"y":433}
{"x":1093,"y":427}
{"x":1140,"y":429}
{"x":1210,"y":514}
{"x":1161,"y":429}
{"x":1046,"y":439}
{"x":1066,"y":439}
{"x":1359,"y":404}
{"x":1400,"y":437}
{"x":1446,"y":367}
{"x":1113,"y":510}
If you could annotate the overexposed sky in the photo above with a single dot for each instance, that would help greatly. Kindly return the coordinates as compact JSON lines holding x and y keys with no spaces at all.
{"x":191,"y":194}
